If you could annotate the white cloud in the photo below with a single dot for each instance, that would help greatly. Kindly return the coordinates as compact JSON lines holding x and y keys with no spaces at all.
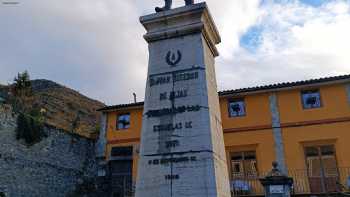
{"x":298,"y":42}
{"x":97,"y":47}
{"x":93,"y":46}
{"x":233,"y":18}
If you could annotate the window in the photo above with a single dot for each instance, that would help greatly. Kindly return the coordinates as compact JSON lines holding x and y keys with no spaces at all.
{"x":311,"y":99}
{"x":237,"y":108}
{"x":244,"y":164}
{"x":101,"y":172}
{"x":123,"y":121}
{"x":321,"y":158}
{"x":122,"y":151}
{"x":120,"y":177}
{"x":322,"y":168}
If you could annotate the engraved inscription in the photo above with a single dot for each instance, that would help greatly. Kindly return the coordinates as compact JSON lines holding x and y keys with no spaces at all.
{"x":163,"y":96}
{"x":159,"y":80}
{"x":176,"y":77}
{"x":166,"y":161}
{"x":172,"y":127}
{"x":173,"y":95}
{"x":172,"y":177}
{"x":185,"y":76}
{"x":172,"y":143}
{"x":172,"y":111}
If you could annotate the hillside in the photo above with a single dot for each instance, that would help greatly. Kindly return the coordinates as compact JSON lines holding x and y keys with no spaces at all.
{"x":66,"y":109}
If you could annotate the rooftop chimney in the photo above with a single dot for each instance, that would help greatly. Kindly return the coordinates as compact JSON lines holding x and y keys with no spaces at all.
{"x":135,"y":101}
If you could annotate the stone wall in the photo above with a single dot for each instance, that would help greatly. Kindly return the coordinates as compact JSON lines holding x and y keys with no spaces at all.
{"x":52,"y":167}
{"x":7,"y":118}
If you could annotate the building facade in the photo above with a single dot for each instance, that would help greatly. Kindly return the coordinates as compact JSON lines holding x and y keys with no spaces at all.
{"x":305,"y":126}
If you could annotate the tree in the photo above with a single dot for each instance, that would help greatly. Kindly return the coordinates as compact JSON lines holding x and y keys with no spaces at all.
{"x":22,"y":84}
{"x":22,"y":91}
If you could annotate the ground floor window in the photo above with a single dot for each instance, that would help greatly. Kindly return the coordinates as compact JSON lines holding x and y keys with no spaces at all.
{"x":121,"y":178}
{"x":120,"y":171}
{"x":322,"y":168}
{"x":244,"y":164}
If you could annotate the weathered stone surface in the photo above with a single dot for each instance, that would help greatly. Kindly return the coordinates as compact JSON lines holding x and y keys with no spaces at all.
{"x":277,"y":133}
{"x":52,"y":167}
{"x":186,"y":158}
{"x":7,"y":118}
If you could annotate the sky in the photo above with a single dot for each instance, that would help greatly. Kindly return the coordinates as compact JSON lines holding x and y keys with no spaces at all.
{"x":96,"y":46}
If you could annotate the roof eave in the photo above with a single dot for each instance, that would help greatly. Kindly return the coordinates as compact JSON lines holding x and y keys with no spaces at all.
{"x":122,"y":107}
{"x":277,"y":89}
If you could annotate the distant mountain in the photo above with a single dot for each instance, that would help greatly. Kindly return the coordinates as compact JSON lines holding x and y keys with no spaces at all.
{"x":66,"y":108}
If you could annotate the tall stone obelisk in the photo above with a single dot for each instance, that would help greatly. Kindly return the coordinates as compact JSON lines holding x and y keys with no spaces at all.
{"x":182,"y":150}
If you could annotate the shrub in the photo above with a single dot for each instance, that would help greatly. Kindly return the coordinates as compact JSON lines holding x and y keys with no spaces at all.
{"x":30,"y":127}
{"x":21,"y":126}
{"x":97,"y":128}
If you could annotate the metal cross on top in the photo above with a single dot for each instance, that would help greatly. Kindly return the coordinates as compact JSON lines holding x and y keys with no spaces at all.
{"x":168,"y":4}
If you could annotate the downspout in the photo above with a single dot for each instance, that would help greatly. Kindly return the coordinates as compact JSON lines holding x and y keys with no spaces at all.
{"x":277,"y":133}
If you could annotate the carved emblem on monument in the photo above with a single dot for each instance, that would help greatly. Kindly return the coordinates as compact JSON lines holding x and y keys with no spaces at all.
{"x":168,"y":4}
{"x":173,"y":58}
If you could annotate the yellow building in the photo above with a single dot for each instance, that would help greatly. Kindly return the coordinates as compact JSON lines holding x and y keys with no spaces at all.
{"x":305,"y":126}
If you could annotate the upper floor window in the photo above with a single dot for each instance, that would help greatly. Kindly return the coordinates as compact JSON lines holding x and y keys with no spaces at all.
{"x":123,"y":121}
{"x":237,"y":108}
{"x":311,"y":99}
{"x":244,"y":164}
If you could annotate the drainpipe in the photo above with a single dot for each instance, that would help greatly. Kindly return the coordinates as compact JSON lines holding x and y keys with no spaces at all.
{"x":277,"y":133}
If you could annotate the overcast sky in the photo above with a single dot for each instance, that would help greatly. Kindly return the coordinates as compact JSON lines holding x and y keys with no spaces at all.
{"x":96,"y":46}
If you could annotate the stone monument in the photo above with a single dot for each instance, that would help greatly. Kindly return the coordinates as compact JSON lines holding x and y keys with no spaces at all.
{"x":168,"y":4}
{"x":182,"y":151}
{"x":277,"y":184}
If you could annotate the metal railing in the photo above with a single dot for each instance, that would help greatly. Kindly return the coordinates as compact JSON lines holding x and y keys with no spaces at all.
{"x":327,"y":181}
{"x":246,"y":186}
{"x":122,"y":186}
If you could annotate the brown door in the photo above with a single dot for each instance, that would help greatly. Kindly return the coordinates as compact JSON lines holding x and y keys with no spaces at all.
{"x":322,"y":168}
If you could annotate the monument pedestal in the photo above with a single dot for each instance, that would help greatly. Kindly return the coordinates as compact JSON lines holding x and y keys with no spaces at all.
{"x":182,"y":147}
{"x":276,"y":184}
